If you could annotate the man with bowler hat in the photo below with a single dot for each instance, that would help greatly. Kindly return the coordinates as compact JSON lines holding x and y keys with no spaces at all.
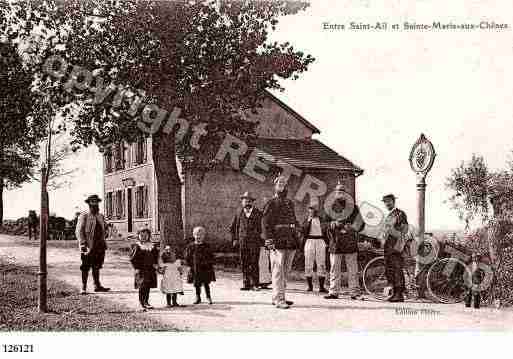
{"x":245,"y":230}
{"x":91,"y":232}
{"x":395,"y":229}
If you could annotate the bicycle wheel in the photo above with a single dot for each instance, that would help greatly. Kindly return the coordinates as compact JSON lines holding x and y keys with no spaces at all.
{"x":374,"y":279}
{"x":447,"y":280}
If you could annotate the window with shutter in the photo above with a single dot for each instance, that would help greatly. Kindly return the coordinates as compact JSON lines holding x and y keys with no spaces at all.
{"x":108,"y":205}
{"x":123,"y":204}
{"x":138,"y":200}
{"x":145,"y":202}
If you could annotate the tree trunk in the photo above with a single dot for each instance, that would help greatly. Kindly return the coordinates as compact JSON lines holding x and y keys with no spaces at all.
{"x":1,"y":202}
{"x":169,"y":191}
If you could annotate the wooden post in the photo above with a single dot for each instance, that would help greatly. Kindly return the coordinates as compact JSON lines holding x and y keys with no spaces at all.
{"x":43,"y":236}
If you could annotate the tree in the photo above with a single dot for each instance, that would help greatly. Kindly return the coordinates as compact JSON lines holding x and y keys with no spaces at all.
{"x":19,"y":149}
{"x":209,"y":65}
{"x":469,"y":186}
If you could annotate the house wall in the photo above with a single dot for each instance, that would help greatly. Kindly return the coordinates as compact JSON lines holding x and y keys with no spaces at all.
{"x":213,"y":201}
{"x":142,"y":175}
{"x":276,"y":122}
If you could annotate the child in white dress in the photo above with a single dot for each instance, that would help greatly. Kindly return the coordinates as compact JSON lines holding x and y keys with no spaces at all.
{"x":172,"y":283}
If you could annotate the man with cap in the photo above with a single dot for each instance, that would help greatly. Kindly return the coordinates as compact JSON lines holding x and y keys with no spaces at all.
{"x":314,"y":248}
{"x":395,"y":228}
{"x":246,"y":229}
{"x":345,"y":224}
{"x":91,"y":231}
{"x":279,"y":230}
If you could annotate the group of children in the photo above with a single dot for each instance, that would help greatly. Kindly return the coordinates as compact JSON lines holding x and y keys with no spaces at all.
{"x":147,"y":263}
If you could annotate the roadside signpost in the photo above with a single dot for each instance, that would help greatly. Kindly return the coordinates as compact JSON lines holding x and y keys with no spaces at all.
{"x":422,"y":158}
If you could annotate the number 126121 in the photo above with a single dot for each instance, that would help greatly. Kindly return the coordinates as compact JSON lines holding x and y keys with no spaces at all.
{"x":17,"y":348}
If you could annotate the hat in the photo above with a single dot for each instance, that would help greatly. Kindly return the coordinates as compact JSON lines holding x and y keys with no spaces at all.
{"x":93,"y":197}
{"x":389,"y":197}
{"x":247,"y":195}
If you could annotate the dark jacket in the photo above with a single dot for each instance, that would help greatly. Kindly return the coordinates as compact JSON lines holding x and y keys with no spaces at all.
{"x":143,"y":262}
{"x":200,"y":259}
{"x":398,"y":220}
{"x":340,"y":239}
{"x":279,"y":223}
{"x":247,"y":231}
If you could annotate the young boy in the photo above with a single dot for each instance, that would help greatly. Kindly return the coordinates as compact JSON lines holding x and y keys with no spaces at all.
{"x":200,"y":259}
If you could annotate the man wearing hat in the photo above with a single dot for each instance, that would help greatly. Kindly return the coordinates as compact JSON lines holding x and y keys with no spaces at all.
{"x":395,"y":228}
{"x":314,"y":248}
{"x":91,"y":232}
{"x":280,"y":232}
{"x":345,"y":224}
{"x":246,"y":229}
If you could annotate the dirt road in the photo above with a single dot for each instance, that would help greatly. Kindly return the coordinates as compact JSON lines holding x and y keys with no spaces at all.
{"x":234,"y":310}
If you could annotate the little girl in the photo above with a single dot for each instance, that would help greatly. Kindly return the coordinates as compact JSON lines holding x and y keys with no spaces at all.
{"x":144,"y":258}
{"x":200,"y":259}
{"x":171,"y":284}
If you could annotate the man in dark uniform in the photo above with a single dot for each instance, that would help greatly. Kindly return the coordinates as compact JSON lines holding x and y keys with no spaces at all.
{"x":396,"y":227}
{"x":246,"y":229}
{"x":279,"y":230}
{"x":345,"y":222}
{"x":32,"y":224}
{"x":91,"y":233}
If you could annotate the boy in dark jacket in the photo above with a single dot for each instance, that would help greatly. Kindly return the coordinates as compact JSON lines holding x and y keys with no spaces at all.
{"x":200,"y":259}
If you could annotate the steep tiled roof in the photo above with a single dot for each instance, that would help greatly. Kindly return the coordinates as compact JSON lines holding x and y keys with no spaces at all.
{"x":305,"y":153}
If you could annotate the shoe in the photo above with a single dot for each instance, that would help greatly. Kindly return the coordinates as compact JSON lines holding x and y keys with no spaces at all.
{"x":309,"y":283}
{"x":148,"y":306}
{"x":282,"y":305}
{"x":355,"y":296}
{"x":331,"y":296}
{"x":101,"y":289}
{"x":245,"y":288}
{"x":176,"y":305}
{"x":209,"y":300}
{"x":396,"y":298}
{"x":265,"y":287}
{"x":197,"y":301}
{"x":288,"y":302}
{"x":256,"y":289}
{"x":83,"y":292}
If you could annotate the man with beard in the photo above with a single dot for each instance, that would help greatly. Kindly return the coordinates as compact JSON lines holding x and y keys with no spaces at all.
{"x":279,"y":230}
{"x":396,"y":227}
{"x":346,"y":222}
{"x":91,"y":233}
{"x":245,"y":230}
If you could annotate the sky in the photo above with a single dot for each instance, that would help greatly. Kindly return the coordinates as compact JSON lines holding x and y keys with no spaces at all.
{"x":372,"y":93}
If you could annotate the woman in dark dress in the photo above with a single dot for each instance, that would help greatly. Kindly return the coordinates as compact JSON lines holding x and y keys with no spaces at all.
{"x":200,"y":259}
{"x":144,"y":259}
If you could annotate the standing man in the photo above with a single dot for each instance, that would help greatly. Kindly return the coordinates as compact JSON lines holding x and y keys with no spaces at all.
{"x":315,"y":248}
{"x":246,"y":229}
{"x":279,"y":230}
{"x":91,"y":232}
{"x":32,"y":224}
{"x":396,"y":227}
{"x":346,"y":223}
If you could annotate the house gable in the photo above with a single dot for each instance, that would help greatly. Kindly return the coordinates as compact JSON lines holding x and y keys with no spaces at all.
{"x":277,"y":120}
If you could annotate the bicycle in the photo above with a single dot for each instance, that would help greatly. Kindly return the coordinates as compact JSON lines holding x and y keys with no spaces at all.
{"x":444,"y":280}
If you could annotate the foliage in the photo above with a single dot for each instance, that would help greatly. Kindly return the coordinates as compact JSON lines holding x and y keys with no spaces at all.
{"x":211,"y":63}
{"x":469,"y":186}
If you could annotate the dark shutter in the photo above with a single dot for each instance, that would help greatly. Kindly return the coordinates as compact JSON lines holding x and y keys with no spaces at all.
{"x":145,"y":201}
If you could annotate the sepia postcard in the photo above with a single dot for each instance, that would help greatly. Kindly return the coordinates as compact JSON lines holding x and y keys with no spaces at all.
{"x":247,"y":167}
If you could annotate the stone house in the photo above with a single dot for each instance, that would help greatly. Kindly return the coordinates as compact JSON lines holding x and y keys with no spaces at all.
{"x":211,"y":199}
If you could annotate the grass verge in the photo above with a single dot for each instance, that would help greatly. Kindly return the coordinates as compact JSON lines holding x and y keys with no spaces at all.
{"x":68,"y":310}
